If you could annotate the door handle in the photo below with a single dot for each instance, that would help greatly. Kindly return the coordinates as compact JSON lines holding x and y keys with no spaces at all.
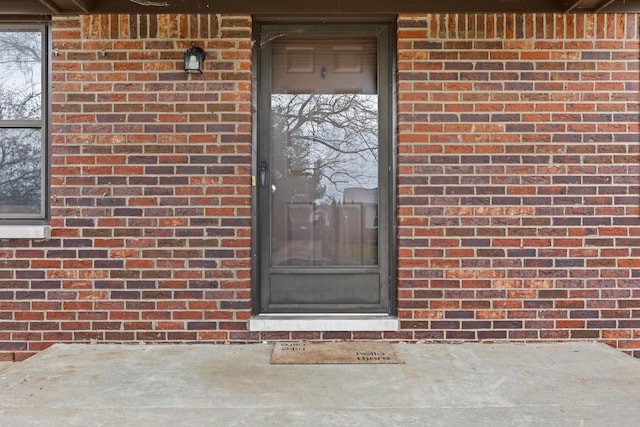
{"x":263,"y":173}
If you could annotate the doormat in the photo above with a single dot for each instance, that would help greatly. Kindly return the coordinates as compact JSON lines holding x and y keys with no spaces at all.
{"x":325,"y":353}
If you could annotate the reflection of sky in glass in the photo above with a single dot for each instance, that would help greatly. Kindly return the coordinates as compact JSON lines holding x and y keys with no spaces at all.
{"x":20,"y":75}
{"x":334,"y":135}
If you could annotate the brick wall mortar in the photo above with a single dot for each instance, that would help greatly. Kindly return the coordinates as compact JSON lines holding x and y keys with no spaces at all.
{"x":514,"y":26}
{"x":518,"y":188}
{"x":150,"y":188}
{"x":518,"y":195}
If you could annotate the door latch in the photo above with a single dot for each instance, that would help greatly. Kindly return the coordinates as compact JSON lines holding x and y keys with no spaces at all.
{"x":263,"y":173}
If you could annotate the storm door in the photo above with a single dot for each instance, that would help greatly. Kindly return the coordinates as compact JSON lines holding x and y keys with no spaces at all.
{"x":323,"y":170}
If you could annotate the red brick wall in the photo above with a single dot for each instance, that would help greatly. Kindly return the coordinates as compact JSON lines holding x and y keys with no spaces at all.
{"x":150,"y":189}
{"x":518,"y":184}
{"x":519,"y":177}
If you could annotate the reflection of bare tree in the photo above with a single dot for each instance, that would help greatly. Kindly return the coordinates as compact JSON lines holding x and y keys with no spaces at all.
{"x":20,"y":170}
{"x":331,"y":137}
{"x":324,"y":179}
{"x":21,"y":109}
{"x":20,"y":79}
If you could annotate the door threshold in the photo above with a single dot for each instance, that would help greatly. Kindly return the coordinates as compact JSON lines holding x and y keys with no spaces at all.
{"x":323,"y":322}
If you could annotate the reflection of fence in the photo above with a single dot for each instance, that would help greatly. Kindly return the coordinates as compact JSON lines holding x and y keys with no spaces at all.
{"x":339,"y":234}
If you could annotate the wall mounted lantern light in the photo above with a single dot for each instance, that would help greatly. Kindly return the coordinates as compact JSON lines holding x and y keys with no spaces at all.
{"x":193,"y":60}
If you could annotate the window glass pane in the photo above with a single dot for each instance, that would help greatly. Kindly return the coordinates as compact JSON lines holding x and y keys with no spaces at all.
{"x":20,"y":75}
{"x":20,"y":172}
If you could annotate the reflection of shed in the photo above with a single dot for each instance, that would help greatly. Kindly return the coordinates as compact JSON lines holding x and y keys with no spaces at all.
{"x":367,"y":199}
{"x":358,"y":223}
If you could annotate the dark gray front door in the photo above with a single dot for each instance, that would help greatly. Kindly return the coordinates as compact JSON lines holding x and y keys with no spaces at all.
{"x":324,"y":168}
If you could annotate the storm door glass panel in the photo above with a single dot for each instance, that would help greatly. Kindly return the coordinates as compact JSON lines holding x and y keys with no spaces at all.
{"x":324,"y":152}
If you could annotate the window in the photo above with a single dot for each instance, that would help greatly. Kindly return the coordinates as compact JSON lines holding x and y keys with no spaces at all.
{"x":23,"y":123}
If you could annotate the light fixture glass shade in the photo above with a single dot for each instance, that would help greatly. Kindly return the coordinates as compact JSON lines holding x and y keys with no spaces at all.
{"x":193,"y":60}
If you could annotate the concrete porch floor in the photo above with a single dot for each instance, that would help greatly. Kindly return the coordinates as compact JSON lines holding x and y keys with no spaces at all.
{"x":570,"y":384}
